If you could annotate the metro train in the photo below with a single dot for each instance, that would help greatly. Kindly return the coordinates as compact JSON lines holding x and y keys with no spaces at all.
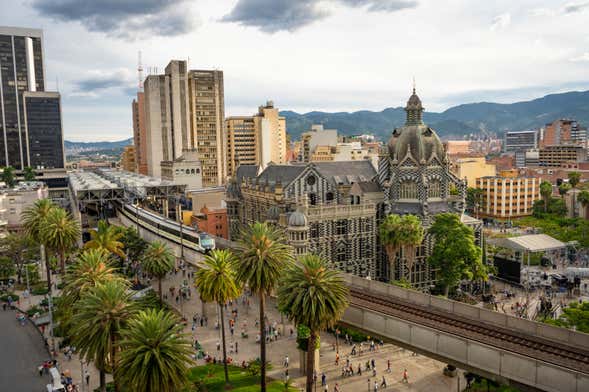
{"x":169,"y":229}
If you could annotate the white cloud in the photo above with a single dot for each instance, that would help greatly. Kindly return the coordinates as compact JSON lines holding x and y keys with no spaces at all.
{"x":581,"y":58}
{"x":501,"y":21}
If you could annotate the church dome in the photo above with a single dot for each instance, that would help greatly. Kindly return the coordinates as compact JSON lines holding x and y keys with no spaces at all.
{"x":297,"y":219}
{"x":415,"y":138}
{"x":273,"y":213}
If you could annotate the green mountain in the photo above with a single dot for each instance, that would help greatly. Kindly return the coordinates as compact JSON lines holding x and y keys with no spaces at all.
{"x":92,"y":146}
{"x":454,"y":122}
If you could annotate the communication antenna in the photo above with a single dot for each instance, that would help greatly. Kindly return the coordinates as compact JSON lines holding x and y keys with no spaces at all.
{"x":139,"y":72}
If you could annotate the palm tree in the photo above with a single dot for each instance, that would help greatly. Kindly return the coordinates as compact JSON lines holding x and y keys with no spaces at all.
{"x":106,"y":237}
{"x":546,"y":193}
{"x":563,"y":189}
{"x":263,"y":256}
{"x":155,"y":355}
{"x":391,"y":239}
{"x":98,"y":319}
{"x":158,"y":261}
{"x":411,"y":235}
{"x":216,"y":282}
{"x":8,"y":176}
{"x":28,"y":174}
{"x":574,"y":179}
{"x":313,"y":295}
{"x":584,"y":200}
{"x":33,"y":219}
{"x":60,"y":232}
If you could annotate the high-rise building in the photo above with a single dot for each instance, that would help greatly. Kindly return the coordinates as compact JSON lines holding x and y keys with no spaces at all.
{"x":207,"y":116}
{"x":139,"y":133}
{"x":316,"y":136}
{"x":42,"y":128}
{"x":157,"y":123}
{"x":520,"y":141}
{"x":129,"y":158}
{"x":256,"y":140}
{"x":21,"y":69}
{"x":564,"y":131}
{"x":557,"y":155}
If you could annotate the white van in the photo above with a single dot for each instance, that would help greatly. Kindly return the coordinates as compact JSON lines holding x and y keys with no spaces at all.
{"x":56,"y":385}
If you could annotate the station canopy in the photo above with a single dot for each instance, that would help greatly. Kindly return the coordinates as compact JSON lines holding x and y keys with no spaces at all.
{"x":531,"y":243}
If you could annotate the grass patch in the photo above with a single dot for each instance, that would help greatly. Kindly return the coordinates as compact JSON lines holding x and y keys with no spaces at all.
{"x":211,"y":378}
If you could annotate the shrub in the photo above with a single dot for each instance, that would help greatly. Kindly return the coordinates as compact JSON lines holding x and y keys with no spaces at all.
{"x":34,"y":309}
{"x":61,"y":285}
{"x":4,"y":297}
{"x":355,"y":335}
{"x":39,"y":290}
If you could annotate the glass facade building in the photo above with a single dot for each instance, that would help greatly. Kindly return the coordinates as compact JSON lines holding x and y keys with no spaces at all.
{"x":43,"y":129}
{"x":21,"y":70}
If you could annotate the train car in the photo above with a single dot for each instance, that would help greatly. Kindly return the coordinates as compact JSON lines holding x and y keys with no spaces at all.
{"x":169,"y":229}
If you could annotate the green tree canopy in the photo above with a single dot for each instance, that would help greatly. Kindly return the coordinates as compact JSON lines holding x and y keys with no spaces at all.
{"x":455,"y":253}
{"x":546,"y":193}
{"x":313,"y":295}
{"x":21,"y":249}
{"x":107,"y":237}
{"x":29,"y":174}
{"x":401,"y":233}
{"x":574,"y":316}
{"x":7,"y":268}
{"x":263,"y":256}
{"x":574,"y":178}
{"x":60,"y":232}
{"x":155,"y":354}
{"x":8,"y":176}
{"x":134,"y":245}
{"x":158,"y":260}
{"x":473,"y":197}
{"x":564,"y":188}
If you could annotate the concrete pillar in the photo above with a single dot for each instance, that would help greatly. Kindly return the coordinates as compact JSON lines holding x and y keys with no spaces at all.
{"x":303,"y":361}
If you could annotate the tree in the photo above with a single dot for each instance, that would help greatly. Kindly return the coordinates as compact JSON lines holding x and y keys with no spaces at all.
{"x":158,"y":261}
{"x":155,"y":355}
{"x":8,"y":176}
{"x":20,"y":249}
{"x":473,"y":199}
{"x":313,"y":295}
{"x":33,"y":218}
{"x":60,"y":232}
{"x":216,"y":282}
{"x":574,"y":179}
{"x":98,"y":319}
{"x":134,"y":245}
{"x":264,"y":255}
{"x":574,"y":316}
{"x":29,"y":174}
{"x":584,"y":200}
{"x":546,"y":193}
{"x":391,"y":239}
{"x":455,"y":254}
{"x":6,"y":267}
{"x":106,"y":237}
{"x":563,"y":189}
{"x":411,"y":235}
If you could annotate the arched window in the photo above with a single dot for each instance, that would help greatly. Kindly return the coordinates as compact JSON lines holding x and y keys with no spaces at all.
{"x":408,"y":190}
{"x":434,"y":189}
{"x":329,"y":197}
{"x":191,"y":171}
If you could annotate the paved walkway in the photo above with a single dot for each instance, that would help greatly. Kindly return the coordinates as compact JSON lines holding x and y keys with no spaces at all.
{"x":22,"y":351}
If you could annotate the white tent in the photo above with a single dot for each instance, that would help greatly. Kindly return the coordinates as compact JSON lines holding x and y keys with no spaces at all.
{"x":532,"y":243}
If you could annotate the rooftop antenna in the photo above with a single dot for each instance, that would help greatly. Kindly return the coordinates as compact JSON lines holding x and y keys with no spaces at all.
{"x":139,"y":72}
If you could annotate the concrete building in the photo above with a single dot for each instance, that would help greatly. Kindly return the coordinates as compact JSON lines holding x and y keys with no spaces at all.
{"x":140,"y":132}
{"x":470,"y":169}
{"x":19,"y":198}
{"x":564,"y":131}
{"x":129,"y":158}
{"x":520,"y":141}
{"x":184,"y":170}
{"x":256,"y":140}
{"x":454,"y":147}
{"x":316,"y":136}
{"x":508,"y":195}
{"x":557,"y":155}
{"x":207,"y":115}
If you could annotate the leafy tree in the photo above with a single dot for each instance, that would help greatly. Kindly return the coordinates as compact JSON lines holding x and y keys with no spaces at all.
{"x":134,"y":245}
{"x":473,"y":198}
{"x":563,"y":189}
{"x":556,"y":207}
{"x":6,"y":267}
{"x":263,"y":254}
{"x":60,"y":232}
{"x":98,"y":319}
{"x":158,"y":261}
{"x":216,"y":282}
{"x":411,"y":235}
{"x":391,"y":239}
{"x":455,"y":253}
{"x":313,"y":295}
{"x":106,"y":237}
{"x":574,"y":179}
{"x":574,"y":316}
{"x":155,"y":355}
{"x":583,"y":198}
{"x":8,"y":176}
{"x":20,"y":249}
{"x":29,"y":174}
{"x":546,"y":193}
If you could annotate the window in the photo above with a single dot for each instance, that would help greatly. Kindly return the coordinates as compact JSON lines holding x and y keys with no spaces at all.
{"x":434,"y":189}
{"x":315,"y":230}
{"x":329,"y":196}
{"x":311,"y":180}
{"x":341,"y":227}
{"x":408,"y":190}
{"x":313,"y":199}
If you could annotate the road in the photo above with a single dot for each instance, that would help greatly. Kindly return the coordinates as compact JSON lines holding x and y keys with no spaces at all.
{"x":22,"y":352}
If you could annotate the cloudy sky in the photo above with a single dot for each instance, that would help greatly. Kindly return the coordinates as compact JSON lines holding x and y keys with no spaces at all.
{"x":331,"y":55}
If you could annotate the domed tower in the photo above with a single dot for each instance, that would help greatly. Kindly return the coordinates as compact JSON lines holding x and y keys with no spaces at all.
{"x":298,"y":230}
{"x":417,"y":179}
{"x":273,"y":215}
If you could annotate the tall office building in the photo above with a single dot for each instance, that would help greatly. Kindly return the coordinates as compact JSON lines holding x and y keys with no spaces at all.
{"x":43,"y":138}
{"x":564,"y":131}
{"x":207,"y":116}
{"x":21,"y":69}
{"x":256,"y":140}
{"x":520,"y":141}
{"x":139,"y":133}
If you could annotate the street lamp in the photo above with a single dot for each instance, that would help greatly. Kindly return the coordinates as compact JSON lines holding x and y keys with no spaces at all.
{"x":180,"y":220}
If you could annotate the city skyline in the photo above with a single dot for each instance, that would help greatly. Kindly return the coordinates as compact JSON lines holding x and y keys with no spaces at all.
{"x":307,"y":55}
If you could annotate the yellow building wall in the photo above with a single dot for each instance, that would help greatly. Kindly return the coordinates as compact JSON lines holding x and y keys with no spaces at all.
{"x":474,"y":168}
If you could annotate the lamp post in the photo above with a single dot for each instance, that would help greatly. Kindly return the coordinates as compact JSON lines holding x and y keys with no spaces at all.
{"x":181,"y":221}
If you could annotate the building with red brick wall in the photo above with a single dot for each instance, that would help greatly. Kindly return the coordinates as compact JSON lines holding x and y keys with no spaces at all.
{"x":212,"y":221}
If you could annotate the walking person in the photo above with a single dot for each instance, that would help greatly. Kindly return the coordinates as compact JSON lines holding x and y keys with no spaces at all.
{"x":336,"y":388}
{"x":87,"y":376}
{"x":388,"y":366}
{"x":383,"y":383}
{"x":375,"y":386}
{"x":286,"y":361}
{"x":405,"y":377}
